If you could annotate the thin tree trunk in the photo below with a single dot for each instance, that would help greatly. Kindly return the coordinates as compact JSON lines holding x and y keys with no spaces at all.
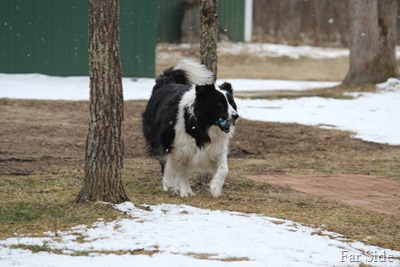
{"x":373,"y":41}
{"x":104,"y":147}
{"x":387,"y":24}
{"x":208,"y":52}
{"x":209,"y":35}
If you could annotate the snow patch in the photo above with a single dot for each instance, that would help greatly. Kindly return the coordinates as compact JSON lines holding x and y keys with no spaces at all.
{"x":174,"y":234}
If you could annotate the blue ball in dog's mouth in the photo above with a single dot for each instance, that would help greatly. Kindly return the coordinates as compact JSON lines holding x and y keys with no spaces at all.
{"x":224,"y":124}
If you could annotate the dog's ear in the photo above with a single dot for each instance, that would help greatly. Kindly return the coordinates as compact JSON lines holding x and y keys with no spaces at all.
{"x":226,"y":87}
{"x":205,"y":89}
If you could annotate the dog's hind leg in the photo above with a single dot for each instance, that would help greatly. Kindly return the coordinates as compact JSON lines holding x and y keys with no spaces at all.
{"x":162,"y":164}
{"x":218,"y":180}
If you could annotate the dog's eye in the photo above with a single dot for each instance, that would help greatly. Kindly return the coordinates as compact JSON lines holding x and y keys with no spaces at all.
{"x":220,"y":106}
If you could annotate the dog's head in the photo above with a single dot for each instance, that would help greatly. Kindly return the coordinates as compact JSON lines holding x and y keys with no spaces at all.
{"x":216,"y":106}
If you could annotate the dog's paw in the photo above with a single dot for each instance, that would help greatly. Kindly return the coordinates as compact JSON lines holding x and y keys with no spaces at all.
{"x":172,"y":190}
{"x":186,"y":193}
{"x":216,"y":190}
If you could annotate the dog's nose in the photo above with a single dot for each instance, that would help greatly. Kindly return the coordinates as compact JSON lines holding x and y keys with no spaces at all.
{"x":235,"y":115}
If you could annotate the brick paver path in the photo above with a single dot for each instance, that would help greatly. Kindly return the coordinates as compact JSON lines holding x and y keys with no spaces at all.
{"x":369,"y":192}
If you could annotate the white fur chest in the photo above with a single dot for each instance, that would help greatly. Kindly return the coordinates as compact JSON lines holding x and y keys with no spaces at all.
{"x":205,"y":158}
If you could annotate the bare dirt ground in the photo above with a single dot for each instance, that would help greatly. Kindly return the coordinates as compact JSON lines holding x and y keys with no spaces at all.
{"x":365,"y":191}
{"x":36,"y":135}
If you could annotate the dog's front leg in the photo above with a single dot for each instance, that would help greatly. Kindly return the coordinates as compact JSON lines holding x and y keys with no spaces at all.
{"x":218,"y":180}
{"x":170,"y":181}
{"x":184,"y":186}
{"x":175,"y":177}
{"x":183,"y":179}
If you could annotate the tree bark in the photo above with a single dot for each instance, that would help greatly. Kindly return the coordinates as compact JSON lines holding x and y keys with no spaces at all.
{"x":373,"y":41}
{"x":104,"y":146}
{"x":209,"y":35}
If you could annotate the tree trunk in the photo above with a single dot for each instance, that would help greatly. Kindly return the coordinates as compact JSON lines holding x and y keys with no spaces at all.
{"x":104,"y":146}
{"x":208,"y":52}
{"x":373,"y":41}
{"x":209,"y":35}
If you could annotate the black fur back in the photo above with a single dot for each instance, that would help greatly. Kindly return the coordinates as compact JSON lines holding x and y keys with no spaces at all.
{"x":171,"y":76}
{"x":160,"y":116}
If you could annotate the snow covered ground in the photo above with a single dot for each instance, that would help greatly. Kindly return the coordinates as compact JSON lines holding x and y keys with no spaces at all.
{"x":187,"y":236}
{"x":180,"y":235}
{"x":370,"y":116}
{"x":278,"y":50}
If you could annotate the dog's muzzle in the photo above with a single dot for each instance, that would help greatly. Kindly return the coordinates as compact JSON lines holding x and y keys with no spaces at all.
{"x":225,"y":125}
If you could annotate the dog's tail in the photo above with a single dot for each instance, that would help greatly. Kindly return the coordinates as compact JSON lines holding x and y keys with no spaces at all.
{"x":186,"y":72}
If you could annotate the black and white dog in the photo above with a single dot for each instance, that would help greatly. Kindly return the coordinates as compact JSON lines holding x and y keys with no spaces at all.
{"x":187,"y":123}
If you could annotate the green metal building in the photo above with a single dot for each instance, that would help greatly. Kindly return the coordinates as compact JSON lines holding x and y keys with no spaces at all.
{"x":231,"y":15}
{"x":50,"y":36}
